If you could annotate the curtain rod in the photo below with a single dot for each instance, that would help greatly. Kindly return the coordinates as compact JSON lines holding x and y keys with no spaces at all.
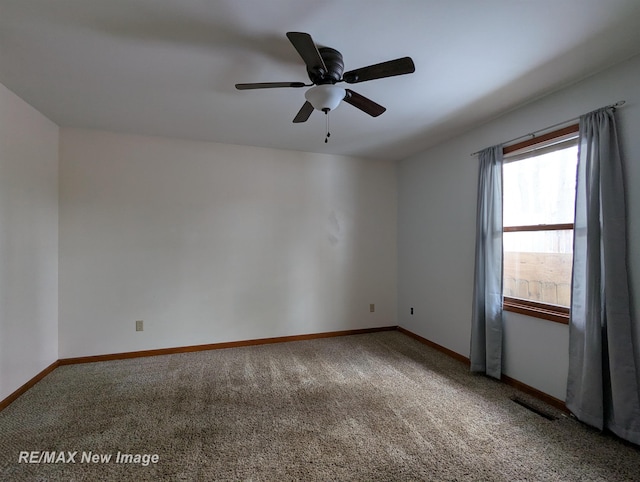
{"x":620,"y":103}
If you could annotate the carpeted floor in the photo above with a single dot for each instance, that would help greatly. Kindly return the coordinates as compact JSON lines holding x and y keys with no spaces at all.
{"x":369,"y":407}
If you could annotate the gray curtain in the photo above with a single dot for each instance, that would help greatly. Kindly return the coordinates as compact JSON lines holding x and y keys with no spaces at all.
{"x":602,"y":386}
{"x":486,"y":324}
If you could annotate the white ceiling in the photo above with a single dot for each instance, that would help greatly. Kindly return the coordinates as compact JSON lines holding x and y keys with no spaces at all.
{"x":168,"y":67}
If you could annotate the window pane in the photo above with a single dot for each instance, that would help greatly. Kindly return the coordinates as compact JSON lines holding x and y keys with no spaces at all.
{"x":540,"y":189}
{"x":537,"y":266}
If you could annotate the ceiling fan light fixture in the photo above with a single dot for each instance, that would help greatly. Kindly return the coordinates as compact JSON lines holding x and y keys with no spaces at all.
{"x":325,"y":67}
{"x":325,"y":97}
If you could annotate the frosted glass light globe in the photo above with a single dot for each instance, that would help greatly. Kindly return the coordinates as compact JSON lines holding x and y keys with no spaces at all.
{"x":325,"y":97}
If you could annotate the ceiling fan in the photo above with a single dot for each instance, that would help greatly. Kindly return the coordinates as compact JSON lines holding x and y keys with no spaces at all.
{"x":325,"y":68}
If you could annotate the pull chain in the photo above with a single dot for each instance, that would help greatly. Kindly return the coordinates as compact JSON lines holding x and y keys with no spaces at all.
{"x":326,"y":113}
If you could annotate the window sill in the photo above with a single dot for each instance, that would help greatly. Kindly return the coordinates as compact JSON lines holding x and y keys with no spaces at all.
{"x":557,"y":314}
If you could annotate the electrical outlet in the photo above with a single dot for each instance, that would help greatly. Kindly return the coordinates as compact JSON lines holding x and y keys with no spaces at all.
{"x":139,"y":325}
{"x":372,"y":308}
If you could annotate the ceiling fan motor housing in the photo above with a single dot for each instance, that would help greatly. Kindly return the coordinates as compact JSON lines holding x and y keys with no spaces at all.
{"x":335,"y":67}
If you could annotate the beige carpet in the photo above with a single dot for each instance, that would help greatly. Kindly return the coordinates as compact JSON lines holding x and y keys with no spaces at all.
{"x":369,"y":407}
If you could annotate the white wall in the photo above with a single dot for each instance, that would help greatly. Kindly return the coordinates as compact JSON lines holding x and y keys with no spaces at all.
{"x":212,"y":242}
{"x":28,"y":242}
{"x":436,"y":228}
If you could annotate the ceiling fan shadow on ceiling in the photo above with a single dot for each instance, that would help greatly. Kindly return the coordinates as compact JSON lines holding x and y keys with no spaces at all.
{"x":325,"y":68}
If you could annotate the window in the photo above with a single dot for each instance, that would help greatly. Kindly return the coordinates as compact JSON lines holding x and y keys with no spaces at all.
{"x":539,"y":177}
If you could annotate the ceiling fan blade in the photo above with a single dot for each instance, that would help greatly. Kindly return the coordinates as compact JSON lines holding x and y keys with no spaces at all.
{"x":304,"y":113}
{"x":307,"y":49}
{"x":269,"y":85}
{"x":379,"y":71}
{"x":362,"y":103}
